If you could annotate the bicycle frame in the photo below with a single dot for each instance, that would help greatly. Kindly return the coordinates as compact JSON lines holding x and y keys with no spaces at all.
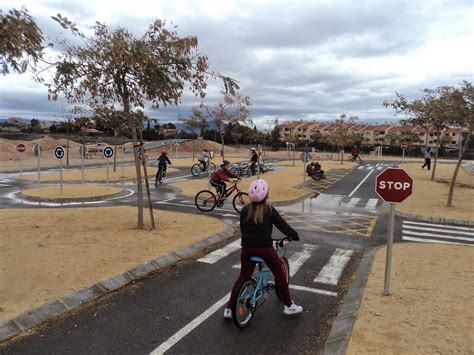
{"x":262,"y":278}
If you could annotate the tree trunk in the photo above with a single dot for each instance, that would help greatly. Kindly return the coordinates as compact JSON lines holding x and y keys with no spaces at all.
{"x":436,"y":156}
{"x":193,"y":146}
{"x":222,"y":143}
{"x":150,"y":205}
{"x":456,"y":169}
{"x":131,"y":124}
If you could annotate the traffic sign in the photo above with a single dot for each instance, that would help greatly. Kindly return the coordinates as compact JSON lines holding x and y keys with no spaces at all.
{"x":21,"y":148}
{"x":394,"y":185}
{"x":37,"y":149}
{"x":59,"y":152}
{"x":83,"y":150}
{"x":99,"y":142}
{"x":108,"y":152}
{"x":404,"y":146}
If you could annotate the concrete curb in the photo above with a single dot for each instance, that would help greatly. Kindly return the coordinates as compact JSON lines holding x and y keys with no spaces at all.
{"x":441,"y":220}
{"x":31,"y":318}
{"x":341,"y":330}
{"x":74,"y":199}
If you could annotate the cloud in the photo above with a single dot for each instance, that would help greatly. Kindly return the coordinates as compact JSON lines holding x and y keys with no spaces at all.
{"x":296,"y":60}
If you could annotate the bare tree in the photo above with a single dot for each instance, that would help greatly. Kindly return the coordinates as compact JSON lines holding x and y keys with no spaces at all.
{"x":341,"y":136}
{"x":193,"y":122}
{"x":119,"y":67}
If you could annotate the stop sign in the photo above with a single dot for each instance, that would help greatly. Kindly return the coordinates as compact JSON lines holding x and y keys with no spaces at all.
{"x":394,"y":185}
{"x":404,"y":146}
{"x":21,"y":148}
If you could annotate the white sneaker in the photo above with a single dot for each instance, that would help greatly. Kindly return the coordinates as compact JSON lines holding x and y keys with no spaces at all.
{"x":293,"y":309}
{"x":227,"y":313}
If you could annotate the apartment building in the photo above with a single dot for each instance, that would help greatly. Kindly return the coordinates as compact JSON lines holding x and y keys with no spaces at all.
{"x":372,"y":135}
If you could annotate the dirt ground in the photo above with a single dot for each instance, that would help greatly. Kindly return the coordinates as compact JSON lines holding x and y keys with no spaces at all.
{"x":430,"y":309}
{"x":51,"y":254}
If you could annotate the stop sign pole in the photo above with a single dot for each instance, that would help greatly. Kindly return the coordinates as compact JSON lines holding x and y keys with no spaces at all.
{"x":393,"y":185}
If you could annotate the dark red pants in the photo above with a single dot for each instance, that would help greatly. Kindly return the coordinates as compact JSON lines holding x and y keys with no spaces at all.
{"x":272,"y":260}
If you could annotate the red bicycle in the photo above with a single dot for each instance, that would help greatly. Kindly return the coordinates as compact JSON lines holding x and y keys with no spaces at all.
{"x":206,"y":200}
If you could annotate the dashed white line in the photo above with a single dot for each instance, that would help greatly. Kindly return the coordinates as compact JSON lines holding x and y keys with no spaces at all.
{"x":221,"y":253}
{"x":353,"y":202}
{"x":371,"y":204}
{"x":298,"y":258}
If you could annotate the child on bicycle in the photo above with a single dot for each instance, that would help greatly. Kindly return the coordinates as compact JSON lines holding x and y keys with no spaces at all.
{"x":163,"y":160}
{"x":253,"y":160}
{"x":355,"y":152}
{"x":220,"y":176}
{"x":203,"y":158}
{"x":256,"y":223}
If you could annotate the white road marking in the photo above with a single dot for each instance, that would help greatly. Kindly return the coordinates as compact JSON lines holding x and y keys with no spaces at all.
{"x":178,"y":177}
{"x":180,"y":334}
{"x":331,"y":272}
{"x":357,"y":187}
{"x":446,"y":230}
{"x":360,"y":167}
{"x":371,"y":204}
{"x":221,"y":253}
{"x":313,"y":290}
{"x":432,"y":235}
{"x":337,"y":199}
{"x":433,"y":241}
{"x":353,"y":202}
{"x":379,"y":167}
{"x":438,"y":225}
{"x":298,"y":258}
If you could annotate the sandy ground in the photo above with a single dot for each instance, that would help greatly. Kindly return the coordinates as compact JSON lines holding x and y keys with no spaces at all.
{"x":43,"y":259}
{"x":430,"y":309}
{"x":429,"y":197}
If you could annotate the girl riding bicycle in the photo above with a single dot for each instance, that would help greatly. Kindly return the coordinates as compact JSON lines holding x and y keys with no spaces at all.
{"x":256,"y":223}
{"x":220,"y":176}
{"x":163,"y":160}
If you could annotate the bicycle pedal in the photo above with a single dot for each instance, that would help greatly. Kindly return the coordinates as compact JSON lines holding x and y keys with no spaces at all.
{"x":270,"y":286}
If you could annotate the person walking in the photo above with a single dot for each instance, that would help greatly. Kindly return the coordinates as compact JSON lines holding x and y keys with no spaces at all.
{"x":256,"y":223}
{"x":428,"y":156}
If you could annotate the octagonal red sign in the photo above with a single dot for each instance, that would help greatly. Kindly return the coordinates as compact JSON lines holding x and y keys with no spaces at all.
{"x":394,"y":185}
{"x":21,"y":148}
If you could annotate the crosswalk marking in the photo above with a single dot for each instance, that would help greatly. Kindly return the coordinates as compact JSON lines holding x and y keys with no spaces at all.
{"x":331,"y":272}
{"x":437,"y":233}
{"x":353,"y":202}
{"x":371,"y":204}
{"x":438,"y":225}
{"x":299,"y":257}
{"x":313,"y":290}
{"x":424,"y":240}
{"x":221,"y":253}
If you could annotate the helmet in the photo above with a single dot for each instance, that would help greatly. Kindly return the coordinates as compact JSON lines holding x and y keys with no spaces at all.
{"x":258,"y":190}
{"x":204,"y":150}
{"x":163,"y":152}
{"x":253,"y":149}
{"x":225,"y":162}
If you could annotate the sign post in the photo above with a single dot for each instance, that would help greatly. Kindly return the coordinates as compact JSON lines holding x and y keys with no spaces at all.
{"x":21,"y":149}
{"x":123,"y":160}
{"x":108,"y":153}
{"x":393,"y":185}
{"x":37,"y":152}
{"x":59,"y":154}
{"x":82,"y":152}
{"x":403,"y":146}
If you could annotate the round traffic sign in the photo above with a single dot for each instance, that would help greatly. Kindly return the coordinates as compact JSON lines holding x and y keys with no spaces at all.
{"x":394,"y":185}
{"x":99,"y":142}
{"x":108,"y":152}
{"x":21,"y":148}
{"x":37,"y":149}
{"x":404,"y":146}
{"x":59,"y":152}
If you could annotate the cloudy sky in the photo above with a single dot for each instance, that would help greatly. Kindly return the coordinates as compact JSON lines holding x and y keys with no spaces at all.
{"x":296,"y":59}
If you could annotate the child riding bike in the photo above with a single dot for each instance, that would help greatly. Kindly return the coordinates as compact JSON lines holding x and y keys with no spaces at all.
{"x":163,"y":160}
{"x":203,"y":158}
{"x":256,"y":223}
{"x":220,"y":176}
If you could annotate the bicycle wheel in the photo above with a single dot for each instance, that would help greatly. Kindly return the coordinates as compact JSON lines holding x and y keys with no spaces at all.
{"x":205,"y":201}
{"x":240,"y":200}
{"x":211,"y":168}
{"x":196,"y":169}
{"x":161,"y":175}
{"x":242,"y":309}
{"x":286,"y":267}
{"x":235,"y":171}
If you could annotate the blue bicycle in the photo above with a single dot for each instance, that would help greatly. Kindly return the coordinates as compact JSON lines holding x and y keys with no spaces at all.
{"x":254,"y":291}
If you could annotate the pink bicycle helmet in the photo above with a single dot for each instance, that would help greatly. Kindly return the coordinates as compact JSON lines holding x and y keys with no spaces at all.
{"x":258,"y":190}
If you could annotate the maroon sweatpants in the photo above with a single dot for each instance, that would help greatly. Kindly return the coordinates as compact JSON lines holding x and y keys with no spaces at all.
{"x":271,"y":258}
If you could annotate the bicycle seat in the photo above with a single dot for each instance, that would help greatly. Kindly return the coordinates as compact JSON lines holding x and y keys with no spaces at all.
{"x":256,"y":259}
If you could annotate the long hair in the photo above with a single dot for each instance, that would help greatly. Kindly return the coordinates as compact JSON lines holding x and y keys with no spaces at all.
{"x":256,"y":211}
